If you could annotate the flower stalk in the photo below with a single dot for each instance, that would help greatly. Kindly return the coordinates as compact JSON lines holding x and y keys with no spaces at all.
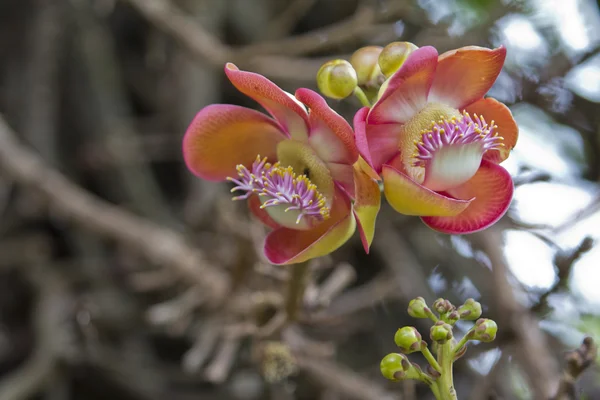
{"x":295,"y":291}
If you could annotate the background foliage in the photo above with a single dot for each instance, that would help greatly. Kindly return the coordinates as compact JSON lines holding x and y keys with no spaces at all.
{"x":159,"y":297}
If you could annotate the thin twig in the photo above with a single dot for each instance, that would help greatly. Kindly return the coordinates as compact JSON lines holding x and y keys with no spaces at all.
{"x":276,"y":58}
{"x":577,"y":361}
{"x":564,"y":261}
{"x":539,"y":365}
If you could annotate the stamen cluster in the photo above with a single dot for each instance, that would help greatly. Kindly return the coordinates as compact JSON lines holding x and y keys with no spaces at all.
{"x":456,"y":131}
{"x":282,"y":186}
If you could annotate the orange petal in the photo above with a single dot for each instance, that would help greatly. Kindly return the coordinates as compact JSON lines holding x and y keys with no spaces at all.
{"x":493,"y":110}
{"x":366,"y":203}
{"x":407,"y":89}
{"x":283,"y":106}
{"x":263,"y":216}
{"x":465,"y":75}
{"x":289,"y":246}
{"x":330,"y":135}
{"x":492,"y":189}
{"x":408,"y":197}
{"x":222,"y":136}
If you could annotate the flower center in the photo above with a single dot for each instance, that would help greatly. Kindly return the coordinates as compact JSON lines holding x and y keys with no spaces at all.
{"x":281,"y":187}
{"x":456,"y":132}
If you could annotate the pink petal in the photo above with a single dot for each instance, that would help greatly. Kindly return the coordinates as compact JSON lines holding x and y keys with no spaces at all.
{"x":289,"y":246}
{"x":282,"y":105}
{"x":383,"y":141}
{"x":343,"y":175}
{"x":492,"y":188}
{"x":407,"y":90}
{"x":330,"y":135}
{"x":465,"y":75}
{"x":360,"y":134}
{"x":222,"y":136}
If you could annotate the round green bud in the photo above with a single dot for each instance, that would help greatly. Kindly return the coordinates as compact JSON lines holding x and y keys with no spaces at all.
{"x":470,"y":311}
{"x":408,"y":339}
{"x":365,"y":63}
{"x":394,"y":366}
{"x":441,"y":332}
{"x":484,"y":330}
{"x":452,"y":317}
{"x":417,"y":308}
{"x":337,"y":79}
{"x":443,"y":306}
{"x":393,"y":56}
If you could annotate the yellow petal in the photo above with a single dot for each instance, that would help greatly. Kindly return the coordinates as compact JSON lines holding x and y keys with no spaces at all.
{"x":408,"y":197}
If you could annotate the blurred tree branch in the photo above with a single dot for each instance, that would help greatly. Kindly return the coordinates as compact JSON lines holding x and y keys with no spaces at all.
{"x":274,"y":58}
{"x":577,"y":361}
{"x":157,"y":244}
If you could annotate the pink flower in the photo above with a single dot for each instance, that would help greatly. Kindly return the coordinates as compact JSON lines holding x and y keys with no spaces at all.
{"x":299,"y":170}
{"x":437,"y":142}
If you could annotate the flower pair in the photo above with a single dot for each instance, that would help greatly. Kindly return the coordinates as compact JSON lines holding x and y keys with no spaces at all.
{"x":430,"y":136}
{"x":299,"y":170}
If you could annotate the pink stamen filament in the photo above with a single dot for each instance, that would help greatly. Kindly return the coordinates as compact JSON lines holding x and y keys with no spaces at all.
{"x":282,"y":186}
{"x":456,"y":131}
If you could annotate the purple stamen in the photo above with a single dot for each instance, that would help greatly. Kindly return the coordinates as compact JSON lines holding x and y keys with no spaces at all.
{"x":283,"y":187}
{"x":456,"y":131}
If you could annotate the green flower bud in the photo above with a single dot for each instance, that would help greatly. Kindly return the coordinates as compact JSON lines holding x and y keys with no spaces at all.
{"x":408,"y":339}
{"x":470,"y":311}
{"x":443,"y":306}
{"x":417,"y":308}
{"x":337,"y":79}
{"x":394,"y":366}
{"x":365,"y":63}
{"x":484,"y":330}
{"x":441,"y":332}
{"x":393,"y":56}
{"x":453,"y":317}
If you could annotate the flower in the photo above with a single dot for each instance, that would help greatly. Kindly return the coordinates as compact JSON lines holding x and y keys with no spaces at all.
{"x":437,"y":141}
{"x":300,"y":170}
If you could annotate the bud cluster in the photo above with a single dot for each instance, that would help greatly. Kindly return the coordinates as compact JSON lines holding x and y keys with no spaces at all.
{"x":366,"y":72}
{"x":396,"y":366}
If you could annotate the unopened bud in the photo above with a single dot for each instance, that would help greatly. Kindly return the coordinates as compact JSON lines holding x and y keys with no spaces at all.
{"x":443,"y":306}
{"x":453,"y":317}
{"x":393,"y":56}
{"x":484,"y":330}
{"x":470,"y":311}
{"x":366,"y":65}
{"x":417,"y":308}
{"x":337,"y":79}
{"x":408,"y":339}
{"x":441,"y":332}
{"x":394,"y":366}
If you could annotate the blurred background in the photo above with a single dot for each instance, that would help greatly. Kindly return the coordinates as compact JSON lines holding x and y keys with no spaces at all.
{"x":124,"y":277}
